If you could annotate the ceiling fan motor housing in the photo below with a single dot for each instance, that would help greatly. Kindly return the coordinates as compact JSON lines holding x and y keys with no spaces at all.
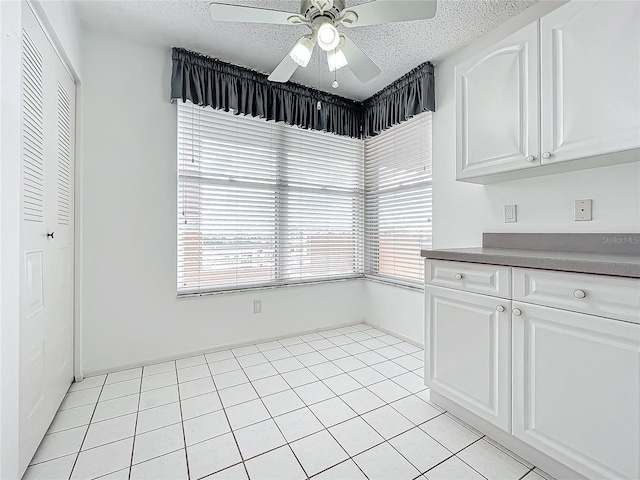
{"x":309,"y":9}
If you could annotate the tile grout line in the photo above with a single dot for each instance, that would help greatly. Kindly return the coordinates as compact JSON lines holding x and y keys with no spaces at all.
{"x":135,"y":428}
{"x":268,"y":412}
{"x":88,"y":426}
{"x":318,"y":379}
{"x":528,"y":472}
{"x":184,"y":435}
{"x":349,"y":457}
{"x":228,"y":423}
{"x":271,"y":417}
{"x":287,"y":442}
{"x":467,"y":464}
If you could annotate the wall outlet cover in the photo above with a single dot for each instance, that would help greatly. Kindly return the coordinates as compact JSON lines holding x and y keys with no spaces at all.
{"x":510,"y":214}
{"x":582,"y":210}
{"x":257,"y":306}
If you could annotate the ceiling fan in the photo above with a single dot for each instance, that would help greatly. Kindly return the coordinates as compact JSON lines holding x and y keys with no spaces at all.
{"x":322,"y":17}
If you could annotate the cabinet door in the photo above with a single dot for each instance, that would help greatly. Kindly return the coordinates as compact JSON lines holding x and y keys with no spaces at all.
{"x":497,"y":107}
{"x":468,"y":352}
{"x":590,"y":79}
{"x":576,"y":389}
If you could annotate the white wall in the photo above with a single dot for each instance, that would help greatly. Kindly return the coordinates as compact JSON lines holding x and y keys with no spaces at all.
{"x":128,"y":187}
{"x":463,"y":211}
{"x":10,"y":42}
{"x":63,"y":27}
{"x":396,"y":309}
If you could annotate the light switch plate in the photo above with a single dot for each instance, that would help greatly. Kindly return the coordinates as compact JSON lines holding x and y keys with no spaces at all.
{"x":510,"y":214}
{"x":582,"y":210}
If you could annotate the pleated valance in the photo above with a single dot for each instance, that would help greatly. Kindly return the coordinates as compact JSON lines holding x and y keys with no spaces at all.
{"x":207,"y":81}
{"x":210,"y":82}
{"x":410,"y":95}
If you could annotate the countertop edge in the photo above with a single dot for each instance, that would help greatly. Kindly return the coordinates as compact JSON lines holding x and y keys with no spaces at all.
{"x":562,"y":265}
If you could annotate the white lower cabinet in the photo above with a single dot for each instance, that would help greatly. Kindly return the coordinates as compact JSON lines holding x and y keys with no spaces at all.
{"x":468,"y":359}
{"x":552,"y":371}
{"x":576,"y":389}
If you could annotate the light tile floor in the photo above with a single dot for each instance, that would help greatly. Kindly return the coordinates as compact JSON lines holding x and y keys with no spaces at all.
{"x":348,"y":403}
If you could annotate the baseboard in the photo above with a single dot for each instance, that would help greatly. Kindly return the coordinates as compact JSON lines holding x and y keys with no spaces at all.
{"x":102,"y":371}
{"x":529,"y":454}
{"x":395,"y":334}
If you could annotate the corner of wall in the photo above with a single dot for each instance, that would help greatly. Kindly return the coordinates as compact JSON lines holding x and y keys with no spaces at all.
{"x":396,"y":310}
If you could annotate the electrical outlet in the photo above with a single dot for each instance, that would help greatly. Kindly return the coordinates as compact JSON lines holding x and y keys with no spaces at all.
{"x":582,"y":210}
{"x":257,"y":306}
{"x":510,"y":214}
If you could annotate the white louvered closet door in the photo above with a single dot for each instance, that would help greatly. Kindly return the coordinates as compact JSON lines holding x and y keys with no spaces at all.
{"x":46,"y":283}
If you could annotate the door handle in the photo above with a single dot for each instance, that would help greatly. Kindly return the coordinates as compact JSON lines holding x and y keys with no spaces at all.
{"x":50,"y":234}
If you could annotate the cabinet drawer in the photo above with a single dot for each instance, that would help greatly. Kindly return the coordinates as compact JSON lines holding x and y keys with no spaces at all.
{"x":610,"y":297}
{"x":471,"y":277}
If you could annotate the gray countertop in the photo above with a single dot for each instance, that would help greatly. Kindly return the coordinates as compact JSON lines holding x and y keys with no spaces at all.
{"x":617,"y":264}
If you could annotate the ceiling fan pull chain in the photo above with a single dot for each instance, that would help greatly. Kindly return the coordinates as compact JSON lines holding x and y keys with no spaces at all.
{"x":319,"y":104}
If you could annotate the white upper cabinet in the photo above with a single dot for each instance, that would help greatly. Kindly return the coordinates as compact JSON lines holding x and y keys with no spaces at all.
{"x":590,"y":79}
{"x":497,"y":107}
{"x":515,"y":119}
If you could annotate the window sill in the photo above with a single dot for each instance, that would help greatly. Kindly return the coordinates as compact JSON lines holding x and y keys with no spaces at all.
{"x":414,"y":286}
{"x":261,"y":287}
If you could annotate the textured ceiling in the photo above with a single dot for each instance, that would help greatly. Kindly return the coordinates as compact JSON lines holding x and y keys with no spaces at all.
{"x":396,"y":48}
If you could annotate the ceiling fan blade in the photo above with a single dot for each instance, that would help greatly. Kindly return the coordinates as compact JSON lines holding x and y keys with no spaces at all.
{"x":236,"y":13}
{"x":282,"y":73}
{"x":361,"y":65}
{"x":388,"y":11}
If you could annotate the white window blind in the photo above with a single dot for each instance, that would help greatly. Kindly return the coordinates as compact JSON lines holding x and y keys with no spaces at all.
{"x":263,"y":203}
{"x":398,"y":201}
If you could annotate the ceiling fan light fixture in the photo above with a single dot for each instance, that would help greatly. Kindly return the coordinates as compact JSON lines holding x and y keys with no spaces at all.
{"x":328,"y":36}
{"x":336,"y":59}
{"x":301,"y":52}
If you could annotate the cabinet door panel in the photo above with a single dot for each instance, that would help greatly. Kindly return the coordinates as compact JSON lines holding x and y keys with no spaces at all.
{"x":590,"y":79}
{"x":576,"y":389}
{"x":497,"y":104}
{"x":468,"y":351}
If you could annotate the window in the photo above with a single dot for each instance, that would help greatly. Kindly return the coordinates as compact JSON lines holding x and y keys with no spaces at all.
{"x":398,"y":201}
{"x":262,"y":203}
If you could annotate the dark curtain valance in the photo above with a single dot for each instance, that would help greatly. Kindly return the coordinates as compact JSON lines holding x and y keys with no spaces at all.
{"x":210,"y":82}
{"x":410,"y":95}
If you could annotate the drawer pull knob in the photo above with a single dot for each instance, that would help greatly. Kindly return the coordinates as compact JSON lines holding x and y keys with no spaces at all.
{"x":458,"y":276}
{"x":500,"y":308}
{"x":517,"y":312}
{"x":530,"y":158}
{"x":546,"y":154}
{"x":579,"y":293}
